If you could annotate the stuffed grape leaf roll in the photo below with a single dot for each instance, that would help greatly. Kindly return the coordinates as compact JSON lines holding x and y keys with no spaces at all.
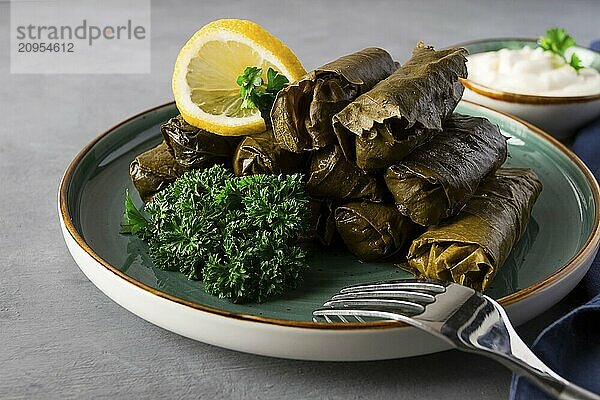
{"x":387,"y":144}
{"x":194,"y":147}
{"x":322,"y":221}
{"x":420,"y":94}
{"x":153,"y":170}
{"x":259,"y":154}
{"x":333,"y":177}
{"x":301,"y":114}
{"x":373,"y":231}
{"x":471,"y":247}
{"x":437,"y":179}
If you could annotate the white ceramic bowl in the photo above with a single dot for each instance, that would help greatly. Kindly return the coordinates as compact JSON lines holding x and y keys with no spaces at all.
{"x":559,"y":116}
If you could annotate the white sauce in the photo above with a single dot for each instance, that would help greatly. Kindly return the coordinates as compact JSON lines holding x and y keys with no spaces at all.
{"x":531,"y":71}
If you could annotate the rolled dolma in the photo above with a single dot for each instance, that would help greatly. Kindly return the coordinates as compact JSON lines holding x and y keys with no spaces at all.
{"x":302,"y":112}
{"x":153,"y":170}
{"x":471,"y":247}
{"x":436,"y":180}
{"x":335,"y":178}
{"x":373,"y":231}
{"x":508,"y":276}
{"x":194,"y":147}
{"x":260,"y":154}
{"x":322,"y":221}
{"x":419,"y":94}
{"x":387,"y":144}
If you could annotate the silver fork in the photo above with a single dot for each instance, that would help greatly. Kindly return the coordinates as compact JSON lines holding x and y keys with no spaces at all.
{"x":467,"y":319}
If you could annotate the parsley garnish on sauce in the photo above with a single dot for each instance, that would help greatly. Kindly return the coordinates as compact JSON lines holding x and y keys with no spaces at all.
{"x":557,"y":41}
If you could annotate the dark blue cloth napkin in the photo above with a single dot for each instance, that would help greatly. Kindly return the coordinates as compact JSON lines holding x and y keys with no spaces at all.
{"x":571,"y":345}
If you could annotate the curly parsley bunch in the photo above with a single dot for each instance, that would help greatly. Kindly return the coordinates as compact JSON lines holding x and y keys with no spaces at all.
{"x":237,"y":234}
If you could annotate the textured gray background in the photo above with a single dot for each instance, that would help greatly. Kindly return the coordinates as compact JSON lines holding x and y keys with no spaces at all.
{"x":60,"y":337}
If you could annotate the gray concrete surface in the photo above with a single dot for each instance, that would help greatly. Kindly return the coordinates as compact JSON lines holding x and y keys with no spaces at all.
{"x":61,"y":338}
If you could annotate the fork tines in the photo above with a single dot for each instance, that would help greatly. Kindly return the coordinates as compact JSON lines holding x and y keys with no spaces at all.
{"x":380,"y":300}
{"x":404,"y":284}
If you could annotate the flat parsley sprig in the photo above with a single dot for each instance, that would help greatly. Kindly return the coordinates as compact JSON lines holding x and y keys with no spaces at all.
{"x":557,"y":41}
{"x":255,"y":93}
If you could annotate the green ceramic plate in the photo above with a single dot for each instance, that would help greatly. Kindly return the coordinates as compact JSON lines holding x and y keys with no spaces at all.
{"x":563,"y":227}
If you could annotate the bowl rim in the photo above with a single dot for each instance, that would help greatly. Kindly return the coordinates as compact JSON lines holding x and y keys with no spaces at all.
{"x":568,"y":267}
{"x":511,"y":97}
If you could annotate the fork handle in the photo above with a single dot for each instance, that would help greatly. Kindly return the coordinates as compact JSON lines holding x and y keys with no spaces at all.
{"x":523,"y":361}
{"x":550,"y":382}
{"x":553,"y":384}
{"x":574,"y":392}
{"x":517,"y":356}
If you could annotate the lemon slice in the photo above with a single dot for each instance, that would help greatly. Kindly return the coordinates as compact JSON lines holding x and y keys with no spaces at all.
{"x":205,"y":73}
